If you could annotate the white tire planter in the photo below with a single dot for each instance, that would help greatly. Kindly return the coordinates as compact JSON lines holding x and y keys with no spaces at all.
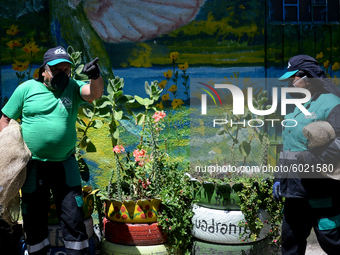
{"x":220,"y":226}
{"x":108,"y":248}
{"x":56,"y":237}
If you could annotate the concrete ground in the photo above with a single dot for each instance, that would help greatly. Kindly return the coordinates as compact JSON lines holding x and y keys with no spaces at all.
{"x":313,"y":247}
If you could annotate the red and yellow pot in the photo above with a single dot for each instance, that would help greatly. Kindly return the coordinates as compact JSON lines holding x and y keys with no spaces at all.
{"x":128,"y":211}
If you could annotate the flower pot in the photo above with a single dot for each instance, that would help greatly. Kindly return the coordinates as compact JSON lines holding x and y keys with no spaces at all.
{"x":128,"y":211}
{"x":220,"y":196}
{"x":133,"y":234}
{"x":220,"y":226}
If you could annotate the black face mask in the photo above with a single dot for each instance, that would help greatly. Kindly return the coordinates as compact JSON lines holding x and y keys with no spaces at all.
{"x":59,"y":81}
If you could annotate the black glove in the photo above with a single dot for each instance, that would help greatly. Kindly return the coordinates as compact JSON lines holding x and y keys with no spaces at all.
{"x":92,"y":70}
{"x":276,"y":192}
{"x":305,"y":157}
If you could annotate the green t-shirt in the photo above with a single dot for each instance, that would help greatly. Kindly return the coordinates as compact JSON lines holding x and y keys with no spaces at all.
{"x":48,"y":118}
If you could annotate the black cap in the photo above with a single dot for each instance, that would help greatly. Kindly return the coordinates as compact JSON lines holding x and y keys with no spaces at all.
{"x":300,"y":62}
{"x":53,"y":57}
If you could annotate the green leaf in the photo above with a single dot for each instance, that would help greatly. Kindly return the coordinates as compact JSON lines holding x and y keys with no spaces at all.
{"x":147,"y":88}
{"x":140,"y":118}
{"x":118,"y":115}
{"x":140,"y":100}
{"x":104,"y":112}
{"x":81,"y":77}
{"x":115,"y":134}
{"x":102,"y":102}
{"x":81,"y":122}
{"x":147,"y":101}
{"x":90,"y":147}
{"x":88,"y":113}
{"x":110,"y":86}
{"x":80,"y":130}
{"x":83,"y":142}
{"x":97,"y":124}
{"x":118,"y":94}
{"x":125,"y":99}
{"x":255,"y":103}
{"x":79,"y":69}
{"x":221,"y":131}
{"x":245,"y":148}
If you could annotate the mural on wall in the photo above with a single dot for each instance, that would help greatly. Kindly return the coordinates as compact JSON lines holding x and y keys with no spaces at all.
{"x":171,"y":41}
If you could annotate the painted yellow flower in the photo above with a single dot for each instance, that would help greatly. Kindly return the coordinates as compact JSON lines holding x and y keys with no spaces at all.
{"x":176,"y":103}
{"x":326,"y":64}
{"x":319,"y":55}
{"x":162,"y":84}
{"x":13,"y":43}
{"x":336,"y":66}
{"x":184,"y":66}
{"x":230,"y":8}
{"x":165,"y":97}
{"x":174,"y":55}
{"x":36,"y":73}
{"x":173,"y":88}
{"x":160,"y":106}
{"x":13,"y":30}
{"x":242,"y":6}
{"x":168,"y":74}
{"x":31,"y":47}
{"x":20,"y":66}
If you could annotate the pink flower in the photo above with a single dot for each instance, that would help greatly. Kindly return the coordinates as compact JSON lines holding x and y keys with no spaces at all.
{"x":118,"y":149}
{"x":246,"y":223}
{"x":167,"y":219}
{"x":181,"y":191}
{"x":275,"y":241}
{"x":139,"y":153}
{"x":159,"y":115}
{"x":169,"y":228}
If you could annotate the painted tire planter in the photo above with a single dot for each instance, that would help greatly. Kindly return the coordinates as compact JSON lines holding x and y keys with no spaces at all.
{"x":55,"y":250}
{"x":128,"y":211}
{"x":133,"y":234}
{"x":261,"y":247}
{"x":56,"y":237}
{"x":108,"y":248}
{"x":220,"y":196}
{"x":88,"y":206}
{"x":220,"y":226}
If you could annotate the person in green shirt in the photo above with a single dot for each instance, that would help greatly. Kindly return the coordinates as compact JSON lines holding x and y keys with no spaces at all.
{"x":48,"y":107}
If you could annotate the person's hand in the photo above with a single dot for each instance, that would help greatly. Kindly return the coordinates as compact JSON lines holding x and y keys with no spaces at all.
{"x":92,"y":70}
{"x":276,"y":192}
{"x":305,"y":157}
